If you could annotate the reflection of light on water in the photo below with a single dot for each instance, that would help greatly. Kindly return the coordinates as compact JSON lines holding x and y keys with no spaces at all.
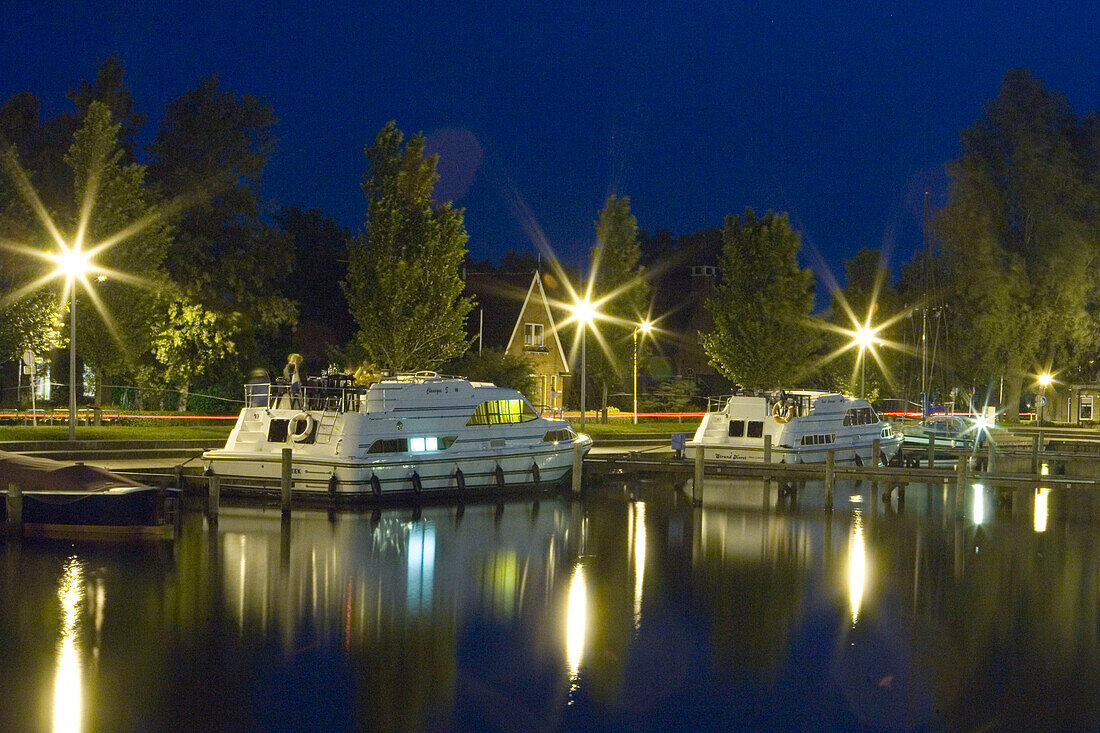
{"x":1041,"y":509}
{"x":979,"y":503}
{"x":1044,"y":470}
{"x":576,"y":621}
{"x":68,"y":698}
{"x":420,"y":572}
{"x":500,"y":578}
{"x":857,"y":564}
{"x":637,"y":517}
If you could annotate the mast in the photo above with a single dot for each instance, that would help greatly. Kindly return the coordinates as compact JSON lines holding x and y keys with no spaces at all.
{"x":925,"y":400}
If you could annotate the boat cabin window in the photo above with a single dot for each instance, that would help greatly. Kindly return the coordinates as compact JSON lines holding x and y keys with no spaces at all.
{"x":756,"y":429}
{"x":737,"y":428}
{"x":818,"y":439}
{"x":411,"y":445}
{"x":558,"y":436}
{"x":860,"y":416}
{"x":502,"y":412}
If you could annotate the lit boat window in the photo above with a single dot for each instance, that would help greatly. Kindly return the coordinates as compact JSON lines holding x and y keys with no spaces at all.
{"x":502,"y":412}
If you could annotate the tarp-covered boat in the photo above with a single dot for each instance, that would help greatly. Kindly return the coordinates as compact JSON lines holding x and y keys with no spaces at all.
{"x":76,"y":501}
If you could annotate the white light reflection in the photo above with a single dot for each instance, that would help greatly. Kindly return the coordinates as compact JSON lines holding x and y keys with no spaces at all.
{"x":576,"y":622}
{"x":420,"y":570}
{"x":857,"y":565}
{"x":979,"y":503}
{"x":1042,"y":498}
{"x":637,"y":525}
{"x":68,"y":694}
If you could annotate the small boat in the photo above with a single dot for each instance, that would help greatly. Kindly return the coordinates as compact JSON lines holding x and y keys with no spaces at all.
{"x":62,"y":500}
{"x":409,"y":434}
{"x":804,"y":426}
{"x":946,"y":431}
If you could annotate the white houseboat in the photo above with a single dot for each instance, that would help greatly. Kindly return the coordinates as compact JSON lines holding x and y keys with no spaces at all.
{"x":407,"y":434}
{"x":803,"y":426}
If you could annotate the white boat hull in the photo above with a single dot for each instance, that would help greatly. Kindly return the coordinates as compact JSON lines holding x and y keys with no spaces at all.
{"x":843,"y":454}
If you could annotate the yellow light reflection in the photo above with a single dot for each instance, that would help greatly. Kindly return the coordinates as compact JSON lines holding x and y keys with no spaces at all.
{"x":68,"y":694}
{"x":1042,"y":498}
{"x":576,"y":621}
{"x":638,"y":547}
{"x":857,"y":565}
{"x":979,"y":504}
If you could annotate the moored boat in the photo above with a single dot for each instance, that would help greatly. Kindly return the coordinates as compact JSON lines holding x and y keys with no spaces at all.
{"x":417,"y":433}
{"x":804,"y":426}
{"x":64,"y":500}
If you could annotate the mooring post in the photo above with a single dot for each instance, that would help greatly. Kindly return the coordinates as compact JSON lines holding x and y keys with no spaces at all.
{"x":1035,"y":439}
{"x":931,"y":449}
{"x":767,"y":449}
{"x":830,"y":477}
{"x":214,"y":483}
{"x":15,"y":509}
{"x":960,"y":484}
{"x":285,"y":486}
{"x":991,"y":458}
{"x":578,"y":466}
{"x":875,"y":448}
{"x":697,"y":484}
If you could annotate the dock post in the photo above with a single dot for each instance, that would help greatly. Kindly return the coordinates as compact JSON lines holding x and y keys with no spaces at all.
{"x":15,"y":509}
{"x":830,"y":477}
{"x":767,"y":449}
{"x":214,"y":484}
{"x":697,"y":484}
{"x":1036,"y":440}
{"x":960,"y":484}
{"x":991,"y":458}
{"x":876,"y":448}
{"x":286,"y":481}
{"x":767,"y":476}
{"x":931,"y":449}
{"x":578,"y":466}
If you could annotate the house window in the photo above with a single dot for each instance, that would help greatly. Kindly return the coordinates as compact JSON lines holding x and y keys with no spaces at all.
{"x":1086,"y":408}
{"x":532,"y":334}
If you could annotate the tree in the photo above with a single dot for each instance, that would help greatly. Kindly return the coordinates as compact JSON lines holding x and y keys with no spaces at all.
{"x":109,"y":88}
{"x":403,"y":284}
{"x":113,"y":325}
{"x":496,"y":366}
{"x":188,"y":340}
{"x":762,"y":303}
{"x":1019,"y":238}
{"x":619,"y":286}
{"x":227,"y":256}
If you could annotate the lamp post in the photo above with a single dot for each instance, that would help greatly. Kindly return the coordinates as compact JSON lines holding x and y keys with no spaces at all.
{"x":73,"y":263}
{"x":1044,"y":381}
{"x":584,"y":311}
{"x":645,"y":327}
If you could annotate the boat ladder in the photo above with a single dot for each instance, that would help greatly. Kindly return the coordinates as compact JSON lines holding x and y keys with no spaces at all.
{"x":326,"y":424}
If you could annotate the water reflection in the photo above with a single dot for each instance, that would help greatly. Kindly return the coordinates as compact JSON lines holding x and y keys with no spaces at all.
{"x":1042,"y":499}
{"x":637,"y":547}
{"x":857,"y":565}
{"x":68,"y":689}
{"x":978,"y":501}
{"x":576,"y":623}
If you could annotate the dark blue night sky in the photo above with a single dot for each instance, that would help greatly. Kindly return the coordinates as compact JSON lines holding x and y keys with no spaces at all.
{"x":841,"y":114}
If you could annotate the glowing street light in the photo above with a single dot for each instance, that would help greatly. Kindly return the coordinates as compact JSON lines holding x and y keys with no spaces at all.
{"x":585,"y":312}
{"x":645,"y":327}
{"x":864,"y":338}
{"x":1044,"y":381}
{"x":74,"y":264}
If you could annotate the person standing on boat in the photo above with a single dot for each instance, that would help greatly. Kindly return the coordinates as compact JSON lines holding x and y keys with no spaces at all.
{"x":294,"y":377}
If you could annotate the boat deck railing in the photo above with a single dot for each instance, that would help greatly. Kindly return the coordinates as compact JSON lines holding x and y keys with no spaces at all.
{"x":338,"y":393}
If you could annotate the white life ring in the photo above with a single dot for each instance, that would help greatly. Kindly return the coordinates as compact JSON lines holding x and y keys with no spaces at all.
{"x":307,"y":421}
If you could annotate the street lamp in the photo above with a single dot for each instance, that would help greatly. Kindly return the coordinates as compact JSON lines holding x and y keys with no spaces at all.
{"x":864,"y":338}
{"x":73,"y":264}
{"x":645,"y":327}
{"x":1044,"y":381}
{"x":584,"y":311}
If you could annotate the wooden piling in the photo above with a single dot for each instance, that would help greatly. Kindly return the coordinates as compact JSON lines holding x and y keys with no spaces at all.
{"x":214,"y":484}
{"x":876,"y":448}
{"x":931,"y":450}
{"x":767,"y":449}
{"x":578,"y":466}
{"x":991,"y":458}
{"x":286,"y":480}
{"x":1035,"y":439}
{"x":15,"y":509}
{"x":697,"y":484}
{"x":830,"y":477}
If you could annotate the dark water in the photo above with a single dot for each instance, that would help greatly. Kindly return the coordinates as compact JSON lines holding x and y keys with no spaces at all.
{"x":630,"y":610}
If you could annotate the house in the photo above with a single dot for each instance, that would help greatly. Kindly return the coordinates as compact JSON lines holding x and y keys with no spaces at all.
{"x":513,"y":313}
